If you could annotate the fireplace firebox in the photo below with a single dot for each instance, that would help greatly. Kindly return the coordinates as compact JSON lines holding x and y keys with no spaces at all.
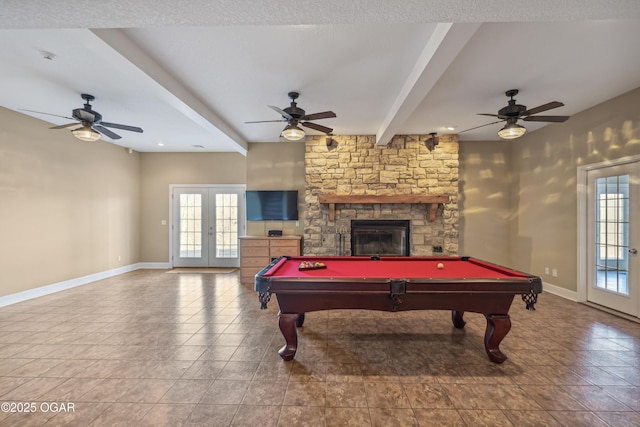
{"x":380,"y":237}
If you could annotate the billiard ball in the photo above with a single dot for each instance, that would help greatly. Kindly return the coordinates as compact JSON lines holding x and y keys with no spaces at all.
{"x":440,"y":265}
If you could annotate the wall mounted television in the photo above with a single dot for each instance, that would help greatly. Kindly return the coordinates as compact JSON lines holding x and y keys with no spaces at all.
{"x":271,"y":205}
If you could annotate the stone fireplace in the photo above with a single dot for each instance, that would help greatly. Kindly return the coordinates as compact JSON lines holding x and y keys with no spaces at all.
{"x":355,"y":180}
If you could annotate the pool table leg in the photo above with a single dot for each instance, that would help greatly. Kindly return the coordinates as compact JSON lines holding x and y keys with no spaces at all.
{"x":456,"y":317}
{"x":287,"y":323}
{"x":498,"y":325}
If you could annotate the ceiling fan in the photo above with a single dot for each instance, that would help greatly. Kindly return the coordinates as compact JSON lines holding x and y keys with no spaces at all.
{"x":514,"y":112}
{"x":295,"y":116}
{"x":90,"y":121}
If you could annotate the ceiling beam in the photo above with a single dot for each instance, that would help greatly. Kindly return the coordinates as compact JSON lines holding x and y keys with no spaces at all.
{"x":164,"y":13}
{"x":444,"y":45}
{"x":173,"y":91}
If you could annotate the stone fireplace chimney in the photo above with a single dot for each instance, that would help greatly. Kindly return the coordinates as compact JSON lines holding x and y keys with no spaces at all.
{"x":354,"y":165}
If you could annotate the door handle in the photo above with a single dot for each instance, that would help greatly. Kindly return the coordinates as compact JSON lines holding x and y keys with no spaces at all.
{"x":633,"y":251}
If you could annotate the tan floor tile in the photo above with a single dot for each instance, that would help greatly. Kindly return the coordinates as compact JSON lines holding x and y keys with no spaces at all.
{"x":265,"y":393}
{"x":32,"y":389}
{"x":235,"y":370}
{"x":263,"y":416}
{"x":81,"y":416}
{"x":122,"y":414}
{"x":310,"y":393}
{"x":439,"y":417}
{"x":225,"y":392}
{"x":70,"y":390}
{"x":485,"y":418}
{"x":108,"y":390}
{"x":386,"y":395}
{"x":302,"y":416}
{"x":620,"y":419}
{"x":531,"y":418}
{"x":186,"y":391}
{"x":146,"y":391}
{"x":169,"y":415}
{"x":346,"y":395}
{"x":553,"y":398}
{"x":392,"y":417}
{"x":578,"y":419}
{"x":338,"y":417}
{"x":630,"y":396}
{"x":427,"y":396}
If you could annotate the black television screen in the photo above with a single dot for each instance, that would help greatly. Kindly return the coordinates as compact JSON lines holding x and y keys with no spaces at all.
{"x":272,"y":205}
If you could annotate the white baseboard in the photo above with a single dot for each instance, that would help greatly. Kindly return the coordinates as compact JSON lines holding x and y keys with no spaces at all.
{"x":561,"y":292}
{"x":79,"y":281}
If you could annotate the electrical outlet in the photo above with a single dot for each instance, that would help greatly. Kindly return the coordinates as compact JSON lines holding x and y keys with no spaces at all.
{"x":554,"y":272}
{"x":546,"y":271}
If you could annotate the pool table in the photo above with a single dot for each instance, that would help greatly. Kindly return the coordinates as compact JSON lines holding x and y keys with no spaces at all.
{"x":458,"y":284}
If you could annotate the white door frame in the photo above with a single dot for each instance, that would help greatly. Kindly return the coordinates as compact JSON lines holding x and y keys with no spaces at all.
{"x":243,"y":226}
{"x":582,"y":218}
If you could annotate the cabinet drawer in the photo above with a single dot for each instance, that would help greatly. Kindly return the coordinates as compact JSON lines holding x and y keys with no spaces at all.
{"x":285,"y":243}
{"x":254,"y":262}
{"x":254,"y":251}
{"x":254,"y":242}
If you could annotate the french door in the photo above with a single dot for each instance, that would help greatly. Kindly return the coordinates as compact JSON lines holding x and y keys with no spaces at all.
{"x":205,"y":226}
{"x":613,"y":237}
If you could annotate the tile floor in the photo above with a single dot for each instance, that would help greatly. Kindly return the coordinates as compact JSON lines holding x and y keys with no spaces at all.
{"x":150,"y":349}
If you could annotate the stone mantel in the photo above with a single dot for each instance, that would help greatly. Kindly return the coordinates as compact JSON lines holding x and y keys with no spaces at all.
{"x":430,"y":200}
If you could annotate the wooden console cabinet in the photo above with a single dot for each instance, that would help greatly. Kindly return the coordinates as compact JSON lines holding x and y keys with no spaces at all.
{"x":256,"y":252}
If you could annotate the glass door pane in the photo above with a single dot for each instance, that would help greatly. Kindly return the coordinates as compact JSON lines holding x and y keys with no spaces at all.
{"x":190,"y":226}
{"x":612,"y":234}
{"x":227,"y":225}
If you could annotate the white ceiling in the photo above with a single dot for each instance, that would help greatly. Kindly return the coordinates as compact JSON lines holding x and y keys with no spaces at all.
{"x":192,"y":73}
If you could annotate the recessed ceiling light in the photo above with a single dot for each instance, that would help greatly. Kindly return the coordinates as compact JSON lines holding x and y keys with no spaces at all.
{"x":160,"y":144}
{"x":450,"y":128}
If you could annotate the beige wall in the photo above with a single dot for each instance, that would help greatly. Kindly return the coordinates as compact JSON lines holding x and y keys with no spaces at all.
{"x":276,"y":166}
{"x":67,"y":208}
{"x":158,"y":171}
{"x":544,"y":225}
{"x":484,"y":202}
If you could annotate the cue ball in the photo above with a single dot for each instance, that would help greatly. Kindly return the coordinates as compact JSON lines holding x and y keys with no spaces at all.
{"x":440,"y":265}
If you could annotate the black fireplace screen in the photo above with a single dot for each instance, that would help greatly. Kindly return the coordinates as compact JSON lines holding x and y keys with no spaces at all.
{"x":380,"y":237}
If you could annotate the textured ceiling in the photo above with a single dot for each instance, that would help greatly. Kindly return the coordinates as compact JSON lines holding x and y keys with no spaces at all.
{"x":191,"y":73}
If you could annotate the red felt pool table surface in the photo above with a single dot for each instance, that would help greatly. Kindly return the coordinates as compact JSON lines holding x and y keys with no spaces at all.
{"x":393,"y":267}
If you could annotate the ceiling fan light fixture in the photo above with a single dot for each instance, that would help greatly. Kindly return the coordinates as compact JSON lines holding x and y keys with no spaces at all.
{"x":293,"y":133}
{"x":86,"y":133}
{"x":512,"y":131}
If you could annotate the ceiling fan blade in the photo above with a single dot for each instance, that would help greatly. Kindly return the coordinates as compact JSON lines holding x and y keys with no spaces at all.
{"x":317,"y":127}
{"x":493,"y":115}
{"x":107,"y":132}
{"x":555,"y":119}
{"x":481,"y":126}
{"x":48,"y":114}
{"x":268,"y":121}
{"x":65,"y":126}
{"x":281,"y":112}
{"x":123,"y":127}
{"x":317,"y":116}
{"x":544,"y":107}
